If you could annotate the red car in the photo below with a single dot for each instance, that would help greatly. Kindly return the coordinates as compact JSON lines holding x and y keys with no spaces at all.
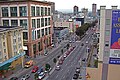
{"x":35,"y":69}
{"x":60,"y":62}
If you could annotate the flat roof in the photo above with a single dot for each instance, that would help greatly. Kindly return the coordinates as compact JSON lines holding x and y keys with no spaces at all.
{"x":5,"y":28}
{"x":6,"y":1}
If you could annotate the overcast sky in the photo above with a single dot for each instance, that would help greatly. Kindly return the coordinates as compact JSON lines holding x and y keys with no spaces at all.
{"x":68,"y":4}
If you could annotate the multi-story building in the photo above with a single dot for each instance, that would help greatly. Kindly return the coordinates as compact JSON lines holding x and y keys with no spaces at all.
{"x":109,"y":46}
{"x":66,"y":24}
{"x":35,"y":17}
{"x":94,"y":9}
{"x":75,"y":10}
{"x":11,"y":47}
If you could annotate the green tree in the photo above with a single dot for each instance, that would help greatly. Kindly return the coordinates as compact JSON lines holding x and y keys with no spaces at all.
{"x":47,"y":67}
{"x":54,"y":60}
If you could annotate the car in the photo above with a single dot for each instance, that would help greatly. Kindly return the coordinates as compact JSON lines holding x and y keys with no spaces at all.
{"x":84,"y":59}
{"x":82,"y":44}
{"x":35,"y":69}
{"x":70,"y":41}
{"x":48,"y":70}
{"x":40,"y":70}
{"x":60,"y":62}
{"x":57,"y":68}
{"x":77,"y":70}
{"x":76,"y":76}
{"x":25,"y":77}
{"x":14,"y":78}
{"x":29,"y":64}
{"x":86,"y":42}
{"x":41,"y":75}
{"x":52,"y":45}
{"x":62,"y":58}
{"x":65,"y":56}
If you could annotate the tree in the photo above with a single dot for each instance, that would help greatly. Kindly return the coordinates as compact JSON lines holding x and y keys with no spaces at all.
{"x":54,"y":60}
{"x":47,"y":67}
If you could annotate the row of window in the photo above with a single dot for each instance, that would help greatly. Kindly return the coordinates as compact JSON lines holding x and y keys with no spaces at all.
{"x":36,"y":34}
{"x":40,"y":22}
{"x":35,"y":11}
{"x":40,"y":45}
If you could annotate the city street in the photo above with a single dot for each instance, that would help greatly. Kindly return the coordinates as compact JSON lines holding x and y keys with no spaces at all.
{"x":68,"y":67}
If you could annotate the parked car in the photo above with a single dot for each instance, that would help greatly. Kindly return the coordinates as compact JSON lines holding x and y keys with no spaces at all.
{"x":60,"y":62}
{"x":25,"y":77}
{"x":48,"y":70}
{"x":40,"y":70}
{"x":62,"y":58}
{"x":82,"y":44}
{"x":14,"y":78}
{"x":77,"y":71}
{"x":76,"y":76}
{"x":57,"y":67}
{"x":35,"y":69}
{"x":86,"y":42}
{"x":29,"y":64}
{"x":41,"y":75}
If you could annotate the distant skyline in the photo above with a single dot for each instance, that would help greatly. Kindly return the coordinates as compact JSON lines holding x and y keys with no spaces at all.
{"x":68,"y":4}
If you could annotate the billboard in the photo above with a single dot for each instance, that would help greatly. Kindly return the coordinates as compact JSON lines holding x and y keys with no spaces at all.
{"x":115,"y":38}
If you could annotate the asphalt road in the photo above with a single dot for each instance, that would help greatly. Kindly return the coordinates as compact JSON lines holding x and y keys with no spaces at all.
{"x":68,"y":67}
{"x":41,"y":62}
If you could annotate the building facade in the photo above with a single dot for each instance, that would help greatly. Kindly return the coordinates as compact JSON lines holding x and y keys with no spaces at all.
{"x":35,"y":17}
{"x":94,"y":10}
{"x":75,"y":10}
{"x":11,"y":47}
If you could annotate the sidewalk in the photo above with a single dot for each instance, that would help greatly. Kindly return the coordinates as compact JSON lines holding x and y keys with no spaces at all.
{"x":20,"y":70}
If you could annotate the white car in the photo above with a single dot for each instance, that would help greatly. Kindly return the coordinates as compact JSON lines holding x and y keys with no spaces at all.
{"x":86,"y":42}
{"x":57,"y":68}
{"x":25,"y":77}
{"x":41,"y":75}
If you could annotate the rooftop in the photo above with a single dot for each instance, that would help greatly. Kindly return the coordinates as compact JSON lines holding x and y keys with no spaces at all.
{"x":5,"y":28}
{"x":5,"y":1}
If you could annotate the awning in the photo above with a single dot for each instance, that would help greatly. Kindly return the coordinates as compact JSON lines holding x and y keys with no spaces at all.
{"x":25,"y":48}
{"x":12,"y":59}
{"x":5,"y":67}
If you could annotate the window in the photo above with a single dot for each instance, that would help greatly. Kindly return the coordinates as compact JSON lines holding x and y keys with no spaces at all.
{"x":107,"y":21}
{"x":33,"y":35}
{"x":45,"y":11}
{"x":42,"y":32}
{"x":23,"y":11}
{"x":13,"y":11}
{"x":38,"y":23}
{"x":14,"y":22}
{"x":4,"y":50}
{"x":45,"y":31}
{"x":4,"y":44}
{"x":45,"y":21}
{"x":42,"y":11}
{"x":25,"y":35}
{"x":49,"y":11}
{"x":48,"y":21}
{"x":33,"y":23}
{"x":34,"y":48}
{"x":107,"y":32}
{"x":38,"y":34}
{"x":106,"y":53}
{"x":5,"y":22}
{"x":42,"y":22}
{"x":49,"y":30}
{"x":106,"y":43}
{"x":32,"y":10}
{"x":4,"y":11}
{"x":37,"y":11}
{"x":39,"y":47}
{"x":23,"y":23}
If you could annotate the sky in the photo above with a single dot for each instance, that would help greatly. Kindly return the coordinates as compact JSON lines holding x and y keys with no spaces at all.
{"x":68,"y":4}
